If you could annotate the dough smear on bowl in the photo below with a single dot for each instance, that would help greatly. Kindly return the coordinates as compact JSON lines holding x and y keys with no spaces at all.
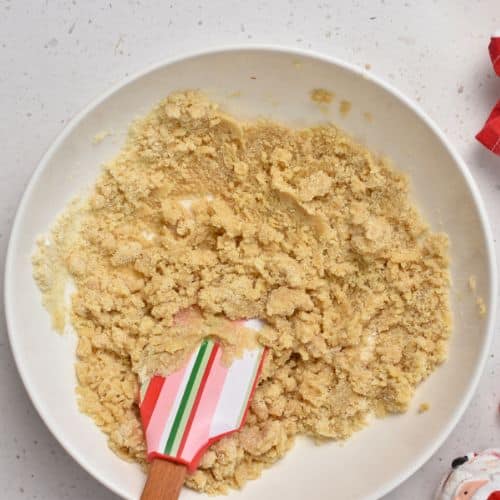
{"x":305,"y":229}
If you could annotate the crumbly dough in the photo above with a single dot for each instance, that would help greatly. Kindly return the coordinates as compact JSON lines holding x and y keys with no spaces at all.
{"x":423,"y":407}
{"x":322,"y":96}
{"x":100,"y":136}
{"x":304,"y":229}
{"x":472,"y":283}
{"x":345,"y":108}
{"x":481,"y":306}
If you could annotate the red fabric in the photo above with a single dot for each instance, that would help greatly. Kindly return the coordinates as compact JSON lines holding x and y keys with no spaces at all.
{"x":489,"y":135}
{"x":494,"y":496}
{"x":494,"y":49}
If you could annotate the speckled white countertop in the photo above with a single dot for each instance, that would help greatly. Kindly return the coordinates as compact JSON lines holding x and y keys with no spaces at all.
{"x":55,"y":56}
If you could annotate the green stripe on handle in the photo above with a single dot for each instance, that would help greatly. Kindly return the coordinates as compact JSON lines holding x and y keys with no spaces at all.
{"x":188,"y":398}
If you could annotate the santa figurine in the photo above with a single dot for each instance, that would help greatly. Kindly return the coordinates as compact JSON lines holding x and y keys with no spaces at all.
{"x":489,"y":135}
{"x":475,"y":476}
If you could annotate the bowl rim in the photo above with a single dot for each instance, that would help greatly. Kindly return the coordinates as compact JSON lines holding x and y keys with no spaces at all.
{"x":290,"y":51}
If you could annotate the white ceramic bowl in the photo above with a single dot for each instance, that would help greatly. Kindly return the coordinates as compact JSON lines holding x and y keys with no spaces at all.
{"x":271,"y":82}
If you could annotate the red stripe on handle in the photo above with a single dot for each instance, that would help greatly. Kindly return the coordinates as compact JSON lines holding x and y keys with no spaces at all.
{"x":150,"y":399}
{"x":196,"y":403}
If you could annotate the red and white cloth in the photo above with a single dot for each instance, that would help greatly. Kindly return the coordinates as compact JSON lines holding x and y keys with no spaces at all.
{"x":494,"y":49}
{"x":489,"y":135}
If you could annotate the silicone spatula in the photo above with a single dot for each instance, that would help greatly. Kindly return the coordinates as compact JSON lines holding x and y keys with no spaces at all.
{"x":187,"y":411}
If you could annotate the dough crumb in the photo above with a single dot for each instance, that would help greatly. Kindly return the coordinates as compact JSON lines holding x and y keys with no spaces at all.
{"x":345,"y":107}
{"x":472,"y":283}
{"x":322,"y":96}
{"x":481,"y":306}
{"x":99,"y":137}
{"x":368,"y":116}
{"x":423,"y":407}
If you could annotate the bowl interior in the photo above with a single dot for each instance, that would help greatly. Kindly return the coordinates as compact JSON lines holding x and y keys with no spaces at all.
{"x":272,"y":83}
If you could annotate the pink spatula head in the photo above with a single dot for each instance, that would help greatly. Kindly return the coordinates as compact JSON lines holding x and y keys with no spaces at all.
{"x":187,"y":411}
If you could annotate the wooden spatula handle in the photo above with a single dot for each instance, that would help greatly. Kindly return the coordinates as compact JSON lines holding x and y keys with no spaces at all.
{"x":165,"y":480}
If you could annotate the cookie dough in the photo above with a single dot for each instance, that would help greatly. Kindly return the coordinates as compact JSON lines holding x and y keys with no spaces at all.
{"x":208,"y":218}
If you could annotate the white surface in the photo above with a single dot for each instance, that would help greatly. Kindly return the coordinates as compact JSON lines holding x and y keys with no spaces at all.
{"x":57,"y":61}
{"x":267,"y":81}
